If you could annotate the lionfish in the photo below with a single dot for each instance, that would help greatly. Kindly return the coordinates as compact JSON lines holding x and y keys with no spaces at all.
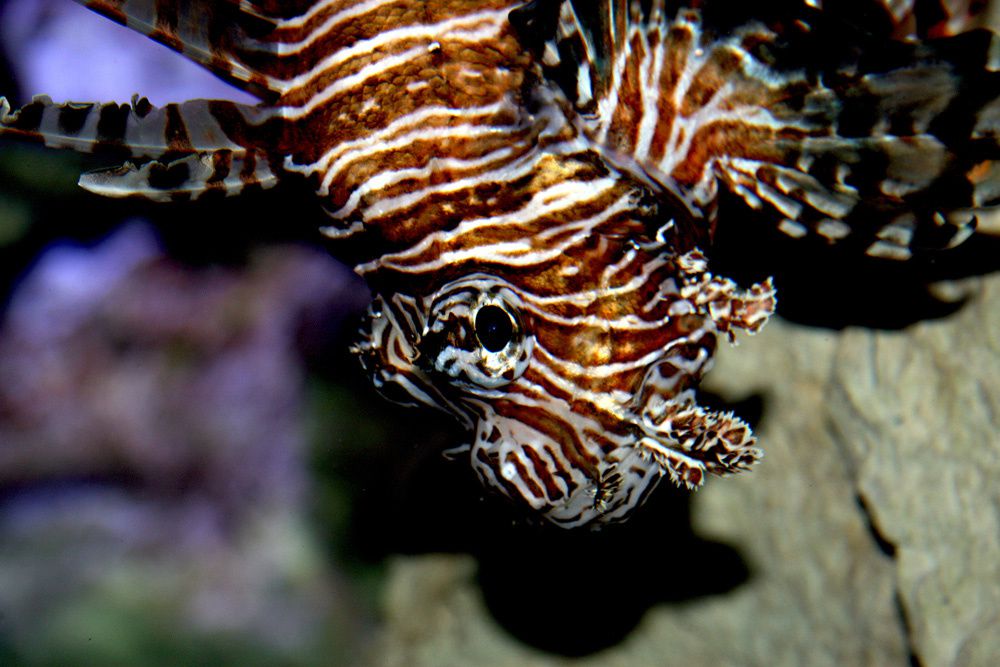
{"x":540,"y":184}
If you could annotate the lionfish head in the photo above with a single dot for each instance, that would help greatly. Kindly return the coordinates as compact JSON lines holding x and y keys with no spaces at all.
{"x":576,"y":412}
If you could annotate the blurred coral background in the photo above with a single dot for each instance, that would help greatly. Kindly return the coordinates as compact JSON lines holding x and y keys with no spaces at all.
{"x":159,"y":412}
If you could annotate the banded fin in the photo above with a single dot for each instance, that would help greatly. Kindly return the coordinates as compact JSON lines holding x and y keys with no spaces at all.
{"x":213,"y":33}
{"x":889,"y":144}
{"x":138,"y":129}
{"x":195,"y":147}
{"x":186,"y":178}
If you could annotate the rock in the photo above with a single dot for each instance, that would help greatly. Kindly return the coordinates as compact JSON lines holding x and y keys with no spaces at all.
{"x":917,"y":417}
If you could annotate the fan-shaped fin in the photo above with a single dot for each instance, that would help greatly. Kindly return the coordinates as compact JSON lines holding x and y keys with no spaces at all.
{"x":835,"y":133}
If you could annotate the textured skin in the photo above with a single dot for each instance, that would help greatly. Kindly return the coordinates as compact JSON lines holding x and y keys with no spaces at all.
{"x":557,"y":174}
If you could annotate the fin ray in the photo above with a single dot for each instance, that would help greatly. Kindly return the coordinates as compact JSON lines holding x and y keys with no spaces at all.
{"x":138,"y":129}
{"x":190,"y":177}
{"x":212,"y":34}
{"x":187,"y":150}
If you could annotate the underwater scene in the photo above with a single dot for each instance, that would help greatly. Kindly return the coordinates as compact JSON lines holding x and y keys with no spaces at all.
{"x":387,"y":333}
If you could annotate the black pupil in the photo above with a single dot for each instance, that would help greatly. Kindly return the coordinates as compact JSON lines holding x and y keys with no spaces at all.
{"x":494,"y":328}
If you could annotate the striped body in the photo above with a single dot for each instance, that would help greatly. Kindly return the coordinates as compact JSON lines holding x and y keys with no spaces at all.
{"x":541,"y":270}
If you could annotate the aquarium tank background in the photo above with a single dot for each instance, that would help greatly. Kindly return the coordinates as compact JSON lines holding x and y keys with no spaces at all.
{"x":195,"y":471}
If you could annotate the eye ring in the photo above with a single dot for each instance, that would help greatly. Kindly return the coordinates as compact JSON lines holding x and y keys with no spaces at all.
{"x":494,"y":327}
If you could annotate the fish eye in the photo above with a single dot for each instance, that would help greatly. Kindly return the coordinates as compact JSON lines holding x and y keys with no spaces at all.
{"x":494,"y":328}
{"x":475,"y":336}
